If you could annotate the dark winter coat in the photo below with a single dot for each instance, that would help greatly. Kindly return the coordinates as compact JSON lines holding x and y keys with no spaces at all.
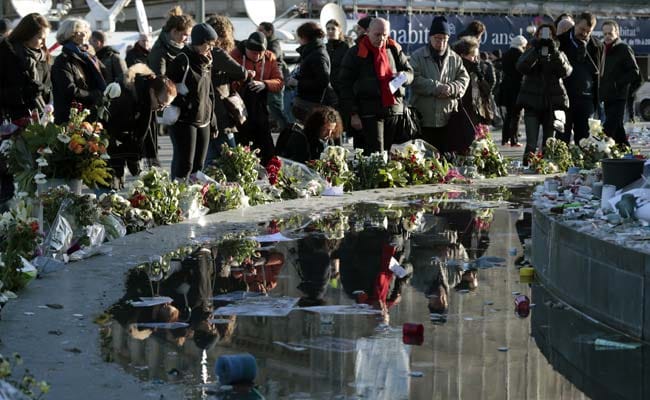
{"x":24,"y":80}
{"x":274,"y":46}
{"x":511,"y":82}
{"x":542,"y":88}
{"x":162,"y":53}
{"x":585,"y":61}
{"x":297,"y":145}
{"x":71,"y":82}
{"x":115,"y":67}
{"x":131,"y":117}
{"x":225,"y":70}
{"x":359,"y":86}
{"x":137,"y":55}
{"x":620,"y":71}
{"x":478,"y":96}
{"x":314,"y":72}
{"x":336,"y":49}
{"x":197,"y":105}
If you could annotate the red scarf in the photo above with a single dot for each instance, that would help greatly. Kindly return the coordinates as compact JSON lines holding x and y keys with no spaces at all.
{"x":382,"y":68}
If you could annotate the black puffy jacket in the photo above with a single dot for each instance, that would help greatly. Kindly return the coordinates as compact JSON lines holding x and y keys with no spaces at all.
{"x":71,"y":82}
{"x":336,"y":50}
{"x":542,"y":88}
{"x":197,"y":105}
{"x":314,"y":73}
{"x":24,"y":81}
{"x":511,"y":82}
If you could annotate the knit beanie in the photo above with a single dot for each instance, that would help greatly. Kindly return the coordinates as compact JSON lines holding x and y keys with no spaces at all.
{"x":439,"y":25}
{"x":202,"y":33}
{"x":256,"y":42}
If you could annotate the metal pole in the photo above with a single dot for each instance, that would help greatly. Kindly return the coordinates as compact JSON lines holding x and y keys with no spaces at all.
{"x":200,"y":11}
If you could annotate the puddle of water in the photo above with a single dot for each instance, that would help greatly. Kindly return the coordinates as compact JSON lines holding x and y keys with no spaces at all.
{"x":472,"y":345}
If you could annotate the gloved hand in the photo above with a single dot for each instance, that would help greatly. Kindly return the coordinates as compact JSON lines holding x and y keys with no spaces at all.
{"x":256,"y":86}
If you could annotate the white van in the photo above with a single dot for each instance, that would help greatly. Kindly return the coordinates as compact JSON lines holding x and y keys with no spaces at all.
{"x":642,"y":102}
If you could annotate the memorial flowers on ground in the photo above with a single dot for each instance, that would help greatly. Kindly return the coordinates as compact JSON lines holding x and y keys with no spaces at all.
{"x":333,"y":167}
{"x":19,"y":241}
{"x":486,"y":157}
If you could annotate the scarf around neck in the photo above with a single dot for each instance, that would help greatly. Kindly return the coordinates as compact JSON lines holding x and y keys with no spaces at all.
{"x":382,"y":69}
{"x":91,"y":65}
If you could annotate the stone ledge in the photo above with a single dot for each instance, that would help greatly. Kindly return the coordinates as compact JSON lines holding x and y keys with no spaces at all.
{"x":604,"y":280}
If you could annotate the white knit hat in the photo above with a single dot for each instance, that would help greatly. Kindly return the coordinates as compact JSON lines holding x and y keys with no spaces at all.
{"x":518,"y":41}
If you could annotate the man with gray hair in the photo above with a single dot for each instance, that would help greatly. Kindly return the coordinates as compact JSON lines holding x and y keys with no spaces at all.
{"x":619,"y":71}
{"x":372,"y":79}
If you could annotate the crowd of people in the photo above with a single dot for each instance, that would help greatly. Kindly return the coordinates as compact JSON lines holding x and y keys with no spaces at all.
{"x":204,"y":89}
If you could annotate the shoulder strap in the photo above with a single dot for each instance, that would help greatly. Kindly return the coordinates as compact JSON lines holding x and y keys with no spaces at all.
{"x":186,"y":69}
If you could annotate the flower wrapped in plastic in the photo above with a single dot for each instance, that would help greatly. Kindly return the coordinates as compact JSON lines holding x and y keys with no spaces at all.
{"x":293,"y":180}
{"x":540,"y":164}
{"x":597,"y":146}
{"x":422,"y":163}
{"x":219,"y":197}
{"x":20,"y":240}
{"x":156,"y":193}
{"x":333,"y":225}
{"x":486,"y":157}
{"x":333,"y":167}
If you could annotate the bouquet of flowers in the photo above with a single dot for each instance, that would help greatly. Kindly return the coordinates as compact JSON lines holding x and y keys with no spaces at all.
{"x":19,"y":240}
{"x":487,"y":158}
{"x":239,"y":165}
{"x":558,"y":153}
{"x":420,"y":168}
{"x":597,"y":146}
{"x":45,"y":150}
{"x":134,"y":219}
{"x":224,"y":196}
{"x":333,"y":167}
{"x":483,"y":219}
{"x":292,"y":180}
{"x":366,"y":169}
{"x":156,"y":193}
{"x":542,"y":165}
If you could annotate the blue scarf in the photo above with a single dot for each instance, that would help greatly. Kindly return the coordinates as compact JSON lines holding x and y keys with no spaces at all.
{"x":91,"y":65}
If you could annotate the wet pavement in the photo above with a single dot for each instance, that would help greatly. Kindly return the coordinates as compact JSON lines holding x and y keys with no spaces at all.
{"x":324,"y":318}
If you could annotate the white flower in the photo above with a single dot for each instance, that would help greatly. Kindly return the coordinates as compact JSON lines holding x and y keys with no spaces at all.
{"x":138,"y":184}
{"x":113,"y":90}
{"x":21,"y":195}
{"x":105,"y":156}
{"x":47,"y":150}
{"x":41,"y":162}
{"x":595,"y":126}
{"x":48,"y":109}
{"x":63,"y":138}
{"x":6,"y":146}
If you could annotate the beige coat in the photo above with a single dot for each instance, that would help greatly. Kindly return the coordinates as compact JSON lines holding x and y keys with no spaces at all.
{"x":435,"y":111}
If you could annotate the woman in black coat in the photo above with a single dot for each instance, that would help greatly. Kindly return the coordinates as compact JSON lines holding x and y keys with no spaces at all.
{"x":24,"y":80}
{"x":476,"y":106}
{"x":76,"y":74}
{"x":313,"y":77}
{"x":509,"y":90}
{"x":191,"y":133}
{"x":322,"y":127}
{"x":143,"y":93}
{"x":542,"y":91}
{"x":24,"y":69}
{"x":225,"y":70}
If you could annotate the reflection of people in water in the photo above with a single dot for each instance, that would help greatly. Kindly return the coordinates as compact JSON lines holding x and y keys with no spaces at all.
{"x":365,"y":260}
{"x":442,"y":250}
{"x":315,"y":268}
{"x":261,"y":274}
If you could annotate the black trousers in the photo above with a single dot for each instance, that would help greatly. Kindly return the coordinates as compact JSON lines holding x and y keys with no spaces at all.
{"x":613,"y":126}
{"x":510,"y":130}
{"x":581,"y":108}
{"x":378,"y":133}
{"x":190,"y":149}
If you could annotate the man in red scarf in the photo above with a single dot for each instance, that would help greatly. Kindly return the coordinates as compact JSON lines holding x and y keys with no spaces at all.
{"x":366,"y":91}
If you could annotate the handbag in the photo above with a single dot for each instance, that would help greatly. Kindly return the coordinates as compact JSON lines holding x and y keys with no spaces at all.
{"x":171,"y":114}
{"x":408,"y":126}
{"x":236,"y":108}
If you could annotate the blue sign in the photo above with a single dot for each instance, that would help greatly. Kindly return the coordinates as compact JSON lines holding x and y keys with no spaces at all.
{"x":413,"y":32}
